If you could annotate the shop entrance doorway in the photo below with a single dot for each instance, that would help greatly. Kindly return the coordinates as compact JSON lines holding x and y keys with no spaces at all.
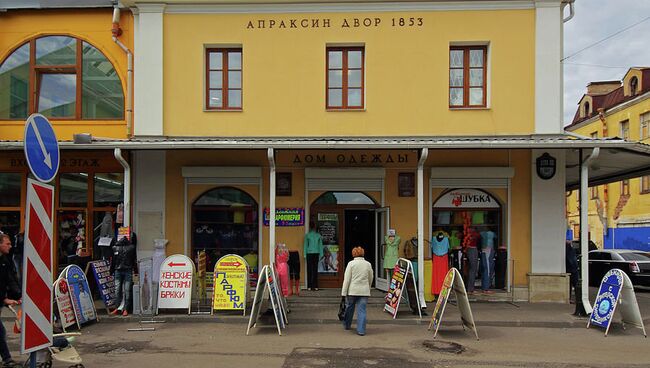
{"x":344,"y":220}
{"x":360,"y":231}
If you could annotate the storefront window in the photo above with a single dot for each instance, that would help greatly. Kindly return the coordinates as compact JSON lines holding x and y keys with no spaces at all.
{"x":10,"y":224}
{"x":104,"y":233}
{"x":471,"y":218}
{"x":108,"y":189}
{"x":10,"y":189}
{"x":224,"y":221}
{"x":73,"y":190}
{"x":72,"y":238}
{"x":10,"y":208}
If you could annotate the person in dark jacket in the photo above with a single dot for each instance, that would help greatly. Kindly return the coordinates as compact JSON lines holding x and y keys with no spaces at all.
{"x":122,"y":264}
{"x":18,"y":248}
{"x":10,"y":293}
{"x":571,"y":260}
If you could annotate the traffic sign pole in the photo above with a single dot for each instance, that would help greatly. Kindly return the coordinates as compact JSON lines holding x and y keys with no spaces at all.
{"x":37,"y":268}
{"x":42,"y":155}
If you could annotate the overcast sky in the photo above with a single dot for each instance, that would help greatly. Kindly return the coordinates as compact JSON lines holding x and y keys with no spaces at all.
{"x":595,"y":20}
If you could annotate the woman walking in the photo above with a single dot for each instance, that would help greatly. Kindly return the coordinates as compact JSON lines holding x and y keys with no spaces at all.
{"x":356,"y":288}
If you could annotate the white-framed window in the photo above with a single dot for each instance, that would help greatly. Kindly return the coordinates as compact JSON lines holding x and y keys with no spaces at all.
{"x":586,"y":109}
{"x":634,"y":84}
{"x":625,"y":187}
{"x":645,"y":184}
{"x":625,"y":129}
{"x":644,"y":124}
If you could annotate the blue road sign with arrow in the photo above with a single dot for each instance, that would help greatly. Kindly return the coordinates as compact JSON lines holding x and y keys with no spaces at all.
{"x":41,"y":148}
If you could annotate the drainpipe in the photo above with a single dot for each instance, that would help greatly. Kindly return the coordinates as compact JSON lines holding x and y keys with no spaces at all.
{"x":584,"y":227}
{"x":117,"y":31}
{"x":271,"y":155}
{"x":601,"y":116}
{"x":423,"y":158}
{"x":127,"y":186}
{"x":571,"y":10}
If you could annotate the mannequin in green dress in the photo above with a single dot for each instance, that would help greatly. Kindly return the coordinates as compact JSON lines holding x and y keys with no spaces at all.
{"x":392,"y":241}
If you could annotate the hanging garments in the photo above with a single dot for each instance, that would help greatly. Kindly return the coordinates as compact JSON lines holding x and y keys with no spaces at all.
{"x":440,"y":259}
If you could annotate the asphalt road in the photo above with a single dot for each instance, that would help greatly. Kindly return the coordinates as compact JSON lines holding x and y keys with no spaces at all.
{"x":328,"y":345}
{"x":400,"y":343}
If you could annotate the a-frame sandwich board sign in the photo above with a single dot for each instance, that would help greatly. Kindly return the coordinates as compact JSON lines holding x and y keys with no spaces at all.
{"x":402,"y":279}
{"x":616,"y":289}
{"x":266,"y":290}
{"x":453,"y":282}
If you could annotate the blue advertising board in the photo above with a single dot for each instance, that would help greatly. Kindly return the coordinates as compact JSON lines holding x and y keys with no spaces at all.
{"x":608,"y":294}
{"x":105,"y":282}
{"x":41,"y":148}
{"x":286,"y":216}
{"x":82,"y":300}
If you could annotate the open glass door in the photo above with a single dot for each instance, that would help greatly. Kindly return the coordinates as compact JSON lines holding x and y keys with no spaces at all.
{"x":382,"y":223}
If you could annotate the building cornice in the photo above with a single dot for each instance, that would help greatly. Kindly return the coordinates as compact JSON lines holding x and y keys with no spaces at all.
{"x":337,"y":7}
{"x":151,"y":8}
{"x":548,"y":3}
{"x":582,"y":124}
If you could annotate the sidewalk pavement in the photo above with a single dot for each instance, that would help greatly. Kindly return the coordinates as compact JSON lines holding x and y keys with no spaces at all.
{"x":321,"y":307}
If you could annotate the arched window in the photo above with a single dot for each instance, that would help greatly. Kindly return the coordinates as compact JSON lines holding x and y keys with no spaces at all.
{"x":587,"y":108}
{"x":634,"y":84}
{"x":344,"y":198}
{"x":60,"y":77}
{"x":224,"y":221}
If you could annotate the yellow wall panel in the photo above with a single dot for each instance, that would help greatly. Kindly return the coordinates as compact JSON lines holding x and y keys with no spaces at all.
{"x":406,"y":75}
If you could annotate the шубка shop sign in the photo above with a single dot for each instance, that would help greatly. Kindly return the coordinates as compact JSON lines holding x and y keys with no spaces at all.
{"x":309,"y":23}
{"x":466,"y":198}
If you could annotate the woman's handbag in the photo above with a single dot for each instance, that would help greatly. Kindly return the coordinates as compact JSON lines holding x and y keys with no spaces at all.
{"x":342,"y":309}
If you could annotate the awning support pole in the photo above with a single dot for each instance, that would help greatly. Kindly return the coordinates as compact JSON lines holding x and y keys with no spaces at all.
{"x":271,"y":155}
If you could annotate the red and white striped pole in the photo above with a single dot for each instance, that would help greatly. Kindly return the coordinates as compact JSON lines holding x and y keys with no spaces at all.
{"x":37,"y":268}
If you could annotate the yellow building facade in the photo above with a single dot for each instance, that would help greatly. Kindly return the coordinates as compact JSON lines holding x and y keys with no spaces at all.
{"x":65,"y":65}
{"x":311,"y":95}
{"x":618,"y":212}
{"x":22,"y":27}
{"x":426,"y":118}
